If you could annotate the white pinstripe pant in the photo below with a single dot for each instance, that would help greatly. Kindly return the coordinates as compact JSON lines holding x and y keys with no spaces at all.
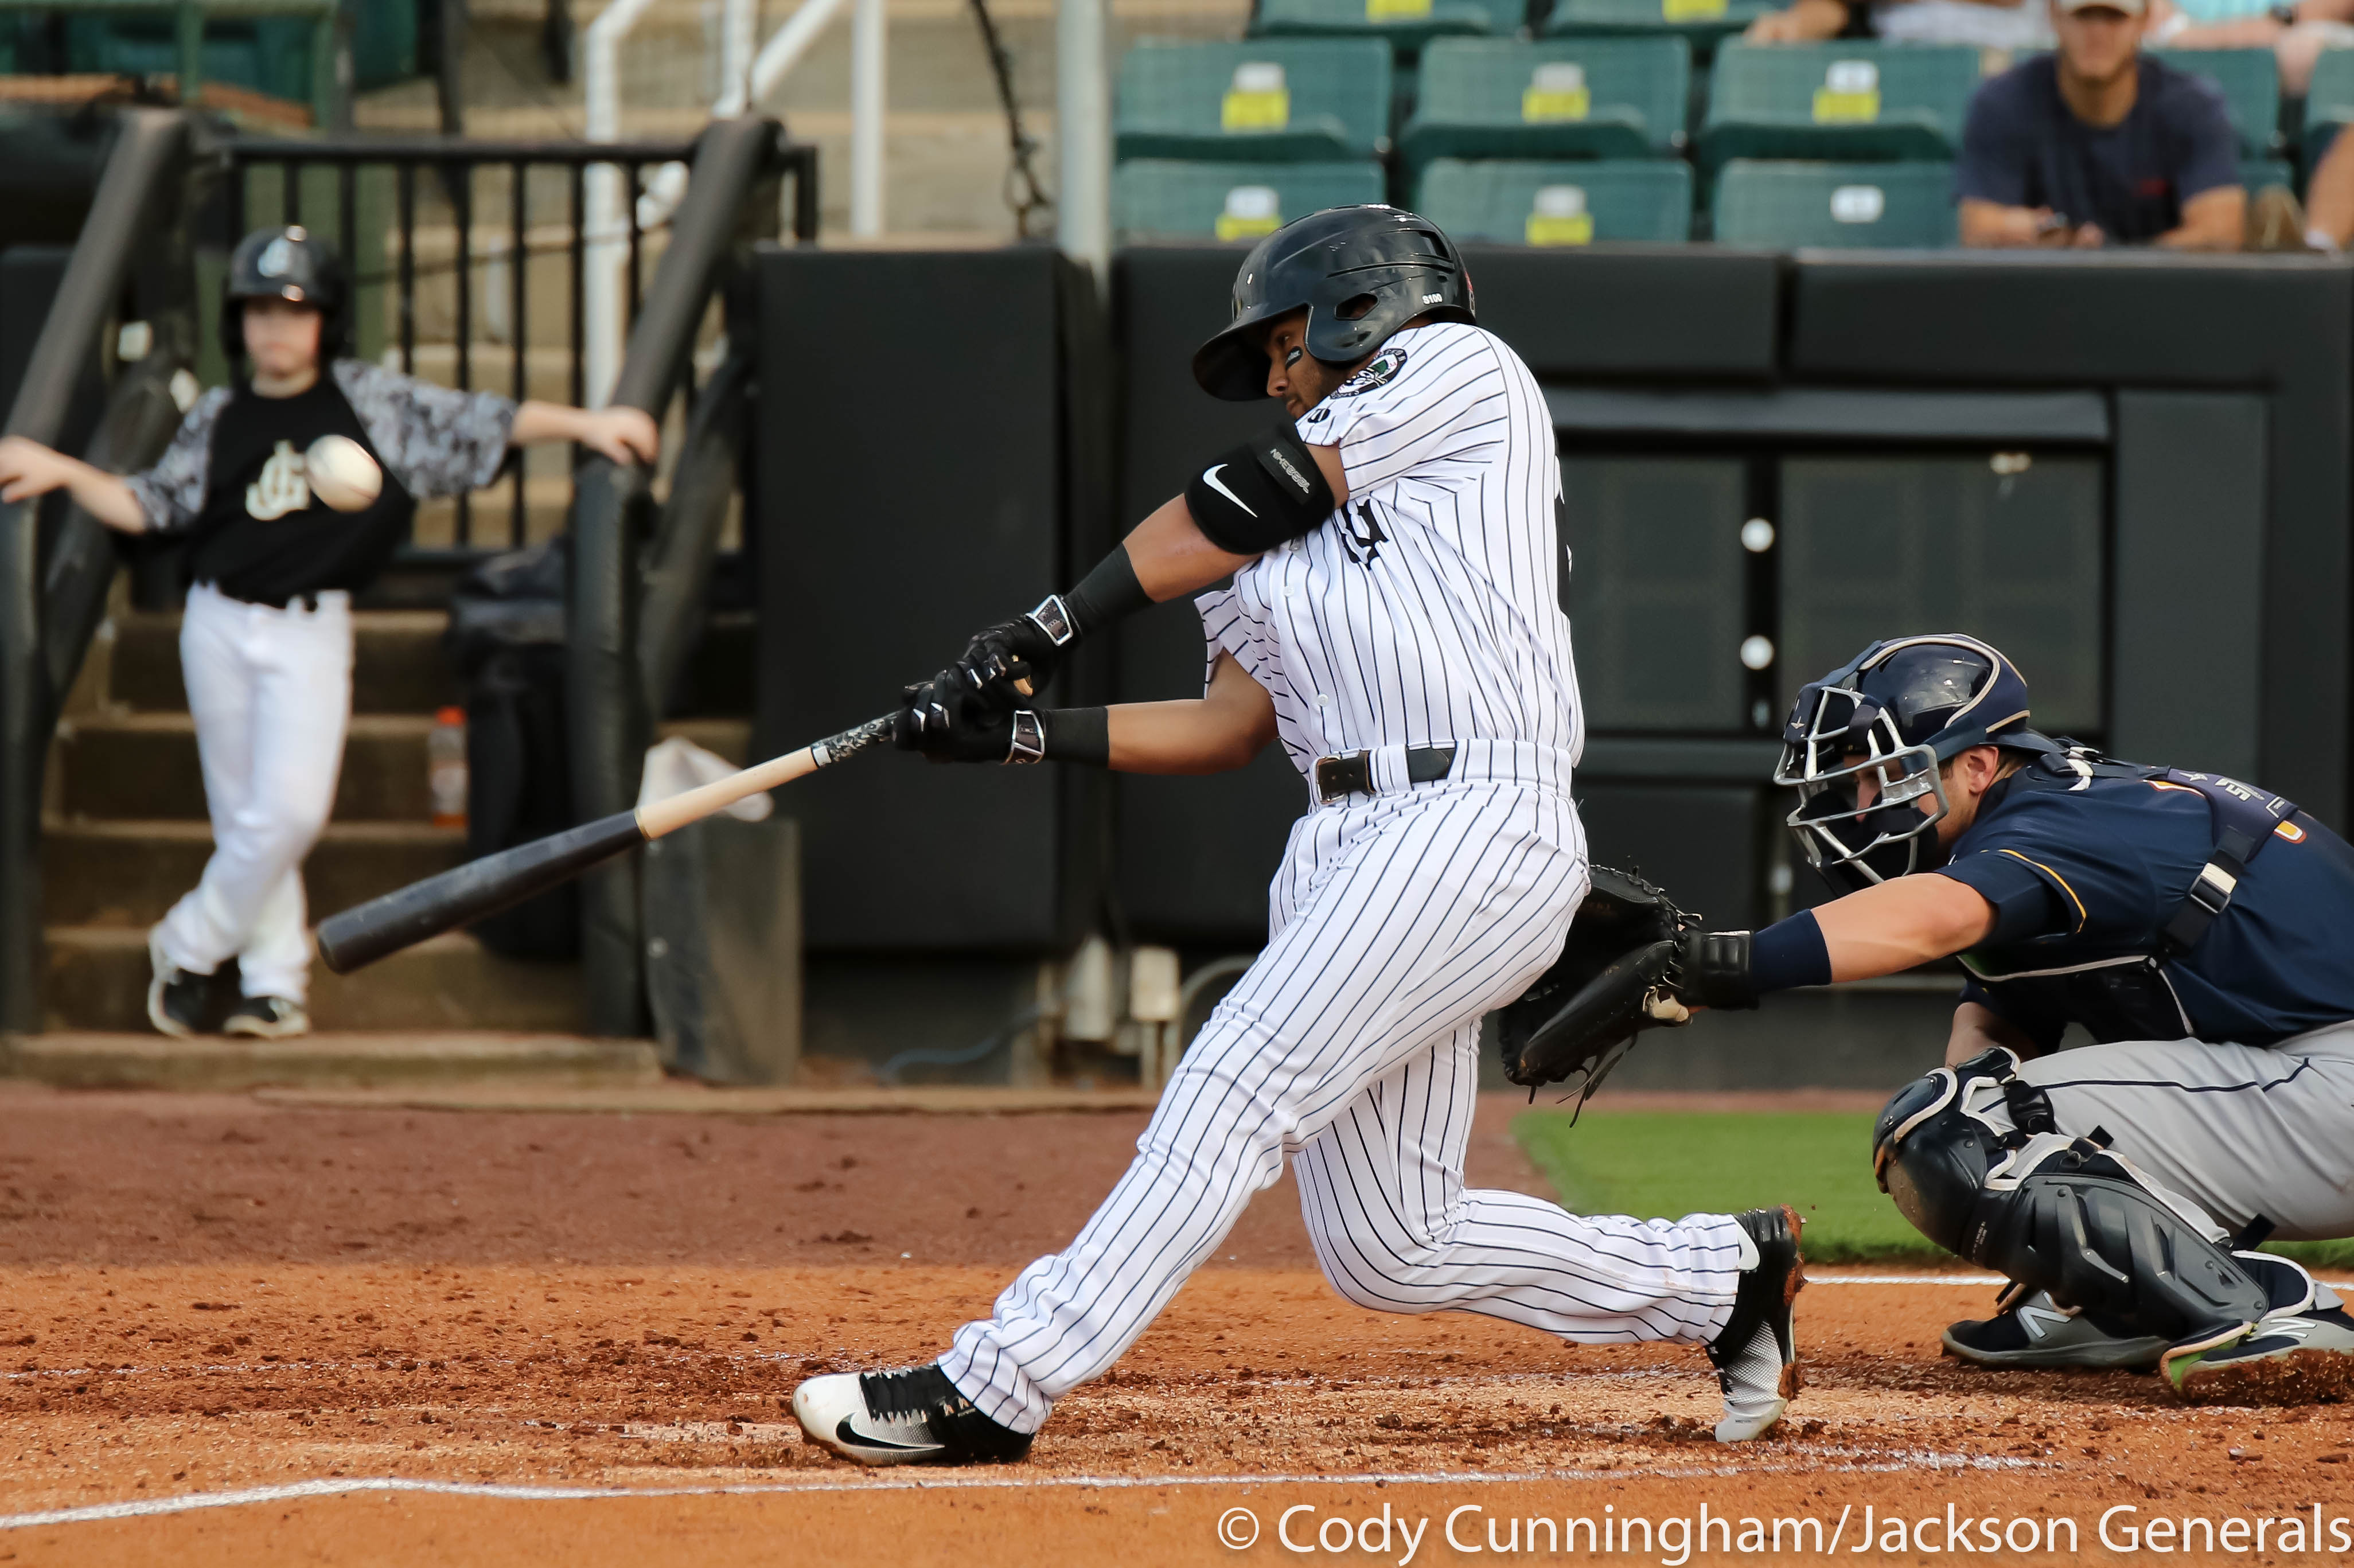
{"x":1351,"y":1044}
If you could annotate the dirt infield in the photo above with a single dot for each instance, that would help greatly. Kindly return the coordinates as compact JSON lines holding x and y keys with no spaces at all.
{"x":208,"y":1295}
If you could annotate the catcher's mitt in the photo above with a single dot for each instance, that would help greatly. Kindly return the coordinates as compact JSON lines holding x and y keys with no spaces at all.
{"x":1616,"y":977}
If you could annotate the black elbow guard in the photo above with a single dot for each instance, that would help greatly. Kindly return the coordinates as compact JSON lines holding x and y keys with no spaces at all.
{"x":1259,"y":494}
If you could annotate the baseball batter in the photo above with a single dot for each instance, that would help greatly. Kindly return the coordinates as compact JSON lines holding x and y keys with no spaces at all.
{"x":266,"y":642}
{"x":1395,"y":619}
{"x":2193,"y":925}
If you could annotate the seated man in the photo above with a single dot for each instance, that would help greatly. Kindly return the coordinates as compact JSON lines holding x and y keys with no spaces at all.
{"x":2193,"y":925}
{"x":2097,"y":145}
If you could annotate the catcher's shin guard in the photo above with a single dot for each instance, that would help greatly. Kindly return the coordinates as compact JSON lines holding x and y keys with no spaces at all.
{"x":2054,"y":1213}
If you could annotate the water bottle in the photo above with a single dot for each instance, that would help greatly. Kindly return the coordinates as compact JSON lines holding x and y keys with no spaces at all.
{"x":445,"y":768}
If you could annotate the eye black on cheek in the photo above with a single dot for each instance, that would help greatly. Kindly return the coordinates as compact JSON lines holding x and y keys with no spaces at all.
{"x":1290,"y":358}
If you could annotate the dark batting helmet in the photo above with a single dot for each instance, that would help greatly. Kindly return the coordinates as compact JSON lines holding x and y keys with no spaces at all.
{"x":286,"y":264}
{"x":1864,"y":744}
{"x":1361,"y":273}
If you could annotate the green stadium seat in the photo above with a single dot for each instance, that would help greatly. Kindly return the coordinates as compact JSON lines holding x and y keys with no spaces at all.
{"x":1840,"y":101}
{"x":2257,"y":172}
{"x":1594,"y":202}
{"x":1154,"y":198}
{"x":1558,"y":98}
{"x":2328,"y":104}
{"x":246,"y":53}
{"x":1702,"y":21}
{"x":2250,"y":79}
{"x":1835,"y":206}
{"x":1406,"y":24}
{"x":1269,"y":100}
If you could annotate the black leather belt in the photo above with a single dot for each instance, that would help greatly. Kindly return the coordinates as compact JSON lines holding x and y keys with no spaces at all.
{"x":1351,"y":772}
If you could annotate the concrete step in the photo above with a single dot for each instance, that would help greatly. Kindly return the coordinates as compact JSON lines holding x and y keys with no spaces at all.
{"x":397,"y":666}
{"x":142,"y":767}
{"x":92,"y":1060}
{"x":98,"y":978}
{"x":130,"y":873}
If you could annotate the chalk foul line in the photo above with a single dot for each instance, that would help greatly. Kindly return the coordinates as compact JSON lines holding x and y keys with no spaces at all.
{"x":337,"y":1486}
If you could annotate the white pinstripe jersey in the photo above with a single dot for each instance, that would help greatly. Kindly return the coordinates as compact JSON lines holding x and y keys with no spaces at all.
{"x":1428,"y":608}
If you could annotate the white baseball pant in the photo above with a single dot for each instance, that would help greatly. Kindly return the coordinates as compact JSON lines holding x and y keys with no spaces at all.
{"x":271,"y":690}
{"x":1352,"y":1045}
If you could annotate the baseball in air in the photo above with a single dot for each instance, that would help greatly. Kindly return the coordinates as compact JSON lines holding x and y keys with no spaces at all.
{"x":342,"y":473}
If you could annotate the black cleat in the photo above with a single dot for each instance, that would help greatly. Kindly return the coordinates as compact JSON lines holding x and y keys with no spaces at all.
{"x":1757,"y":1354}
{"x":911,"y":1418}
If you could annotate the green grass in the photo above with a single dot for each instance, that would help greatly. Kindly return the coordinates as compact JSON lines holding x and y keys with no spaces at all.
{"x":1666,"y":1164}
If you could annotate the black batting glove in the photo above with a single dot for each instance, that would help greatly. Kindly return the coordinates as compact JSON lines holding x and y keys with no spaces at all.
{"x":944,"y":720}
{"x":1008,"y":665}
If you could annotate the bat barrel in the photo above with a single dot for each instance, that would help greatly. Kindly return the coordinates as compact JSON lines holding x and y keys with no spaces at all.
{"x":361,"y":935}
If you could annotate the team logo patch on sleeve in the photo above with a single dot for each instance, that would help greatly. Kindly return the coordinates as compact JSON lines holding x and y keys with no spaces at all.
{"x":1379,"y":371}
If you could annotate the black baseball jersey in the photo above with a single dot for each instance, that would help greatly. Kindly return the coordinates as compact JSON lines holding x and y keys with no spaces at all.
{"x":233,"y":479}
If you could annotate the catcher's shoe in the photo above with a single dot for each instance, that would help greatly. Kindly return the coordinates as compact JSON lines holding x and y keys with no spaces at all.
{"x":910,"y":1417}
{"x":2038,"y":1333}
{"x":1757,"y":1354}
{"x":2301,"y":1353}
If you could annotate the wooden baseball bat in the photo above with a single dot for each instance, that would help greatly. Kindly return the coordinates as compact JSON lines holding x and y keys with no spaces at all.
{"x":407,"y":915}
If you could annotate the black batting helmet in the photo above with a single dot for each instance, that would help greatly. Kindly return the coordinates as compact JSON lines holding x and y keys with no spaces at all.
{"x":1361,"y":273}
{"x":287,"y":264}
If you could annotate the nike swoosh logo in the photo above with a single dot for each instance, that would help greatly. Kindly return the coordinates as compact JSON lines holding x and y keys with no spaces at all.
{"x":1210,"y":478}
{"x":846,"y":1433}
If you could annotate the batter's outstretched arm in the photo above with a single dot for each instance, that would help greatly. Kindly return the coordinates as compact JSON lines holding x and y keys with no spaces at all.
{"x":1170,"y":554}
{"x":1215,"y":733}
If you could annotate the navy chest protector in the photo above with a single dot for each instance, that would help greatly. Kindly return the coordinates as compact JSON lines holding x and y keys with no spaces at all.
{"x":2129,"y":996}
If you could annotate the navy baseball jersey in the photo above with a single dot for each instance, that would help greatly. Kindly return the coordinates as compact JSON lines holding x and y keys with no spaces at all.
{"x":2088,"y":871}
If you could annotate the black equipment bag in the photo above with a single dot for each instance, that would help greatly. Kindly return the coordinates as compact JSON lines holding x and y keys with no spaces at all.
{"x":506,"y":639}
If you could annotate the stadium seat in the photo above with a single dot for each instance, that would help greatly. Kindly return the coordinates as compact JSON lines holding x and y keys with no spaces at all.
{"x":1154,"y":198}
{"x":1844,"y":100}
{"x":1407,"y":24}
{"x":1589,"y":98}
{"x":2250,"y":81}
{"x":1836,"y":205}
{"x":2328,"y":104}
{"x":1702,"y":21}
{"x":1270,"y":100}
{"x":2257,"y":172}
{"x":1647,"y":200}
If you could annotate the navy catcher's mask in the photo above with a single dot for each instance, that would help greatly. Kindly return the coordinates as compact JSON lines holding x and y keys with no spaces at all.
{"x":1864,"y":744}
{"x":1361,"y":273}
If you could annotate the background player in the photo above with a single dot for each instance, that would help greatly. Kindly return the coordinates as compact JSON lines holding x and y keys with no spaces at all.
{"x":2195,"y":926}
{"x":266,"y":642}
{"x":1395,"y":617}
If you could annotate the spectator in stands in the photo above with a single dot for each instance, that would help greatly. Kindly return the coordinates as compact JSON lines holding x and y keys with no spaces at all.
{"x":2296,"y":31}
{"x":2329,"y":199}
{"x":2007,"y":24}
{"x":2099,"y":144}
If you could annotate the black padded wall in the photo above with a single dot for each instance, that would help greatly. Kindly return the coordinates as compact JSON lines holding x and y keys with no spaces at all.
{"x":1191,"y":856}
{"x":916,"y":463}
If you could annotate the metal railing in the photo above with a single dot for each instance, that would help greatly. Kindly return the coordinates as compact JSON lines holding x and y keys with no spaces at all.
{"x":629,"y":607}
{"x":490,"y":231}
{"x":52,"y":601}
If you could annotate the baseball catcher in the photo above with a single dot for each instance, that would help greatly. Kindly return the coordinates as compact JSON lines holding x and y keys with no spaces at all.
{"x":266,"y":642}
{"x":2193,"y":925}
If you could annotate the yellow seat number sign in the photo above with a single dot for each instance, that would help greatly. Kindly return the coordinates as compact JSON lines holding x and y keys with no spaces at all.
{"x":1692,"y":10}
{"x":1397,"y":10}
{"x":1251,"y":213}
{"x":1257,"y":101}
{"x":1556,"y":93}
{"x":1558,"y":217}
{"x":1850,"y":94}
